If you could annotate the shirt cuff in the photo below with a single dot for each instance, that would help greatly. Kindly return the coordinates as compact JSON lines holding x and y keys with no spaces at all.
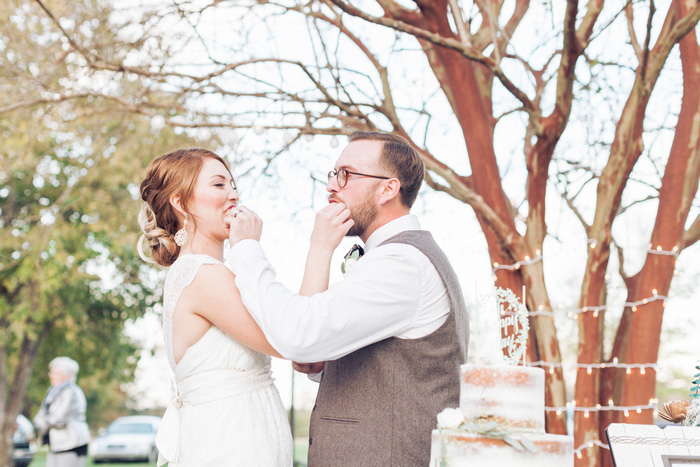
{"x":315,"y":377}
{"x":242,"y":253}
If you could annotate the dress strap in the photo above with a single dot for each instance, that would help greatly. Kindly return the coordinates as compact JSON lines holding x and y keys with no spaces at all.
{"x":180,"y":275}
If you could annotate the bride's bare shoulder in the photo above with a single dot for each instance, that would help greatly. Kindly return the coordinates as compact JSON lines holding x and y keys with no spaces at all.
{"x":214,"y":280}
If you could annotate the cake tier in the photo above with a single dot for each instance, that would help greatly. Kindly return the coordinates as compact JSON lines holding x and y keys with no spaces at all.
{"x":513,"y":395}
{"x":455,"y":449}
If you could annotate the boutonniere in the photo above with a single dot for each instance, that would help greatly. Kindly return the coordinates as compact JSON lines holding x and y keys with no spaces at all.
{"x":351,"y":258}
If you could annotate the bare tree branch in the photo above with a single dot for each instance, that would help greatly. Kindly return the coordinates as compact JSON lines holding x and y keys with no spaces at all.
{"x":577,"y":213}
{"x":692,"y":234}
{"x":647,"y":41}
{"x":629,"y":14}
{"x":621,"y":264}
{"x":446,"y":42}
{"x":462,"y":31}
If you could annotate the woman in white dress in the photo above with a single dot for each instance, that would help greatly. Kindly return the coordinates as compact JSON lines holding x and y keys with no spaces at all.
{"x":225,"y":410}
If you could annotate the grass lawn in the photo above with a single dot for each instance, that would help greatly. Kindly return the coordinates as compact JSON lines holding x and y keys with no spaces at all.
{"x":301,"y":451}
{"x":40,"y":461}
{"x":301,"y":448}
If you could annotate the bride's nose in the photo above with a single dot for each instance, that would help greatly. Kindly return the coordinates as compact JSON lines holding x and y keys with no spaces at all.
{"x":233,"y":195}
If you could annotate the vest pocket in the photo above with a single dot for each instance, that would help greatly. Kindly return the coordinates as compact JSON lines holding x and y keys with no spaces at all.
{"x":341,"y":420}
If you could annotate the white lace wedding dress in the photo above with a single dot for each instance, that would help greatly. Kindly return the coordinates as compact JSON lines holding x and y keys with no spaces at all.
{"x":225,"y":409}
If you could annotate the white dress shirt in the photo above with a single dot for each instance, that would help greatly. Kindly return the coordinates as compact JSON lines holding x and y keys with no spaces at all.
{"x":392,"y":291}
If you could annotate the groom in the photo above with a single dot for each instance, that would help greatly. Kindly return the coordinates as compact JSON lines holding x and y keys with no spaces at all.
{"x":392,"y":334}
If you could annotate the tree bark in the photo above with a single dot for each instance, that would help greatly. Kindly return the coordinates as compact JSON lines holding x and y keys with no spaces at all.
{"x":638,"y":337}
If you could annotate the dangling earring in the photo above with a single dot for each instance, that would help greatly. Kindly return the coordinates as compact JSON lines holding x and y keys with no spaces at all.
{"x":181,"y":235}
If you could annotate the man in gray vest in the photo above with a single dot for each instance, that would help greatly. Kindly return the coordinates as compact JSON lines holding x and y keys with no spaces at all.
{"x":392,"y":334}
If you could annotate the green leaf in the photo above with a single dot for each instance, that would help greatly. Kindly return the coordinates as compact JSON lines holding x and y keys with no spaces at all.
{"x":513,"y":442}
{"x":529,"y":445}
{"x":488,"y":426}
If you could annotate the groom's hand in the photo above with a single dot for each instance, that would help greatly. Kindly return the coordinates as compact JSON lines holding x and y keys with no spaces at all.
{"x":242,"y":223}
{"x":330,"y":226}
{"x":308,"y":368}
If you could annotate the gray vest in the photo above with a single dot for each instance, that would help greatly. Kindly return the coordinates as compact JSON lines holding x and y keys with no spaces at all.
{"x":378,"y":405}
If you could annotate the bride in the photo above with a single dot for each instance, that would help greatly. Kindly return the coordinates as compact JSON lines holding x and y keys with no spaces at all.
{"x":225,"y":409}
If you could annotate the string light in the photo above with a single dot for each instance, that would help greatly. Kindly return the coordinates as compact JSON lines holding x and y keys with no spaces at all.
{"x":589,"y":444}
{"x":539,"y":313}
{"x":574,"y":312}
{"x":590,"y":366}
{"x":675,"y":251}
{"x":515,"y":266}
{"x":571,"y":405}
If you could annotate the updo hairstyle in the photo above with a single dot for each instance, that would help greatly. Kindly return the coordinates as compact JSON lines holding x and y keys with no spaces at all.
{"x":169,"y":175}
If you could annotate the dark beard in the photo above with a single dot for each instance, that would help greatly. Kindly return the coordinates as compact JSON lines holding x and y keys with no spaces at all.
{"x":363,"y":215}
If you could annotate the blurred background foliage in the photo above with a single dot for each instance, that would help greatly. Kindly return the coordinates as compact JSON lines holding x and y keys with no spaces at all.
{"x":70,"y":276}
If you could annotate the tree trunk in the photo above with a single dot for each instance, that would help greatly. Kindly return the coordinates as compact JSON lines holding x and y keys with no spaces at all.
{"x":5,"y":431}
{"x":12,"y":402}
{"x":7,"y":428}
{"x":638,"y":336}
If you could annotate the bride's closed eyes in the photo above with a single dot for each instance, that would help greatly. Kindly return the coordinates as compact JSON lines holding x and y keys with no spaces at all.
{"x":221,"y":184}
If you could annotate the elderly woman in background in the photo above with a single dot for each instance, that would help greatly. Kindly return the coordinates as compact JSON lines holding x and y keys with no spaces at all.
{"x":61,"y":418}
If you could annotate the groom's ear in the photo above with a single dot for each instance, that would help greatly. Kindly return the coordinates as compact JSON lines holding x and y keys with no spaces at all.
{"x":389,"y":190}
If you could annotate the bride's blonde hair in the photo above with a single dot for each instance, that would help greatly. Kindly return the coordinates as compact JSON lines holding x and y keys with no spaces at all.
{"x":172,"y":174}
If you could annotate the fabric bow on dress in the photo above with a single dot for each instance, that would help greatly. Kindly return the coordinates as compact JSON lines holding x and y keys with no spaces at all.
{"x":201,"y":388}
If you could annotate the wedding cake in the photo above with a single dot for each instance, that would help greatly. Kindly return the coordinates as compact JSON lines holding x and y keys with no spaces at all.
{"x":500,"y":419}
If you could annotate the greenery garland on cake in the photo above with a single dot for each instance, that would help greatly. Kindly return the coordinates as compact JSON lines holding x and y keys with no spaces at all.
{"x":487,"y":426}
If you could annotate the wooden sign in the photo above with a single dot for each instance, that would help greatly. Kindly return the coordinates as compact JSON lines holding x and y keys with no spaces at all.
{"x":649,"y":445}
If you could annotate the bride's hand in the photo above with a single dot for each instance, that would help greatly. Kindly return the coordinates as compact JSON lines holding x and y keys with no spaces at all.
{"x":242,"y":223}
{"x":331,"y":224}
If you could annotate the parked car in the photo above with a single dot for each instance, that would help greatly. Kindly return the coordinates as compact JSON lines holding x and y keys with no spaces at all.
{"x":23,"y":445}
{"x":127,"y":438}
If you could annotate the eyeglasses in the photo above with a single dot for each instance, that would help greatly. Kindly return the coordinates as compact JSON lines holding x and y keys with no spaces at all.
{"x":341,"y":176}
